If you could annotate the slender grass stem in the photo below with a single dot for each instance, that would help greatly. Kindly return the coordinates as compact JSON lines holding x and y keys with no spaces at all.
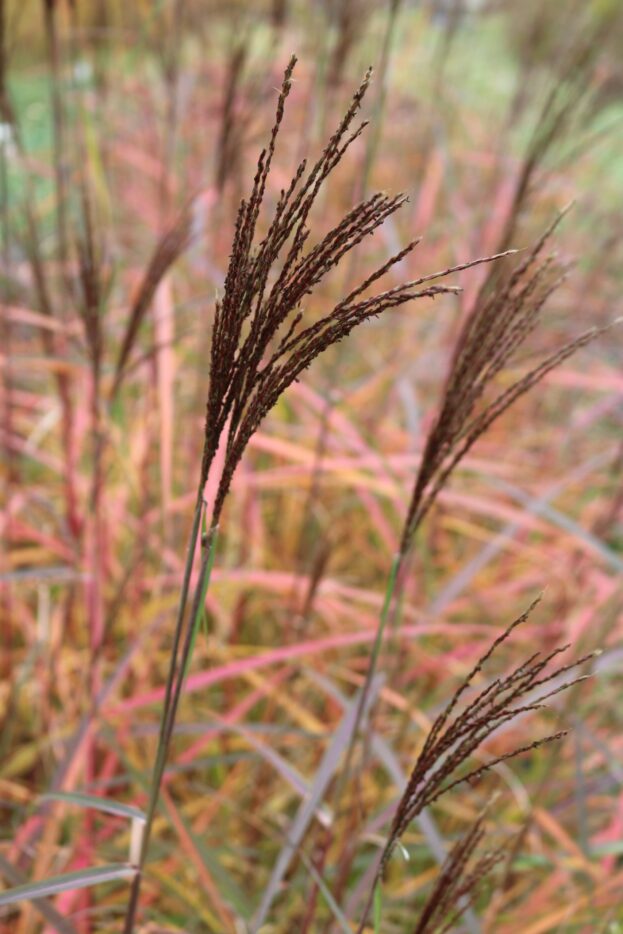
{"x":177,"y":671}
{"x":201,"y":589}
{"x":371,"y":895}
{"x":179,"y":625}
{"x":374,"y":657}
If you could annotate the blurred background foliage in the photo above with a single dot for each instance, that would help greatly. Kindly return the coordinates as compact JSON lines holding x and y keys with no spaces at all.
{"x":492,"y":116}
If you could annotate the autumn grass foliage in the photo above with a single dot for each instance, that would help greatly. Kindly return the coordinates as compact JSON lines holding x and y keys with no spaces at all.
{"x":260,"y":347}
{"x":273,"y":487}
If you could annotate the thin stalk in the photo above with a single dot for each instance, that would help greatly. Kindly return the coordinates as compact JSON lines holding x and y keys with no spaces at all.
{"x":11,"y":473}
{"x":171,"y":67}
{"x":94,"y":598}
{"x":371,"y":894}
{"x":388,"y":602}
{"x":178,"y":669}
{"x":53,"y":344}
{"x":374,"y":657}
{"x":201,"y":589}
{"x":51,"y":32}
{"x":204,"y":581}
{"x":179,"y":625}
{"x":377,"y":122}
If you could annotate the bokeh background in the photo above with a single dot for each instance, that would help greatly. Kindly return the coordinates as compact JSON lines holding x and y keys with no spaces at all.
{"x":492,"y":117}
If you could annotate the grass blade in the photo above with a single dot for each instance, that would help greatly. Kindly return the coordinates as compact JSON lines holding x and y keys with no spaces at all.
{"x":378,"y":907}
{"x":82,"y":879}
{"x":45,"y":909}
{"x":106,"y":805}
{"x":338,"y":914}
{"x":324,"y":775}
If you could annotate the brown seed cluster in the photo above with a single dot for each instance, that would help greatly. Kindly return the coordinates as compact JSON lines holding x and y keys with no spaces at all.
{"x":259,"y":344}
{"x":458,"y":882}
{"x":442,"y":764}
{"x":490,"y":339}
{"x":455,"y":737}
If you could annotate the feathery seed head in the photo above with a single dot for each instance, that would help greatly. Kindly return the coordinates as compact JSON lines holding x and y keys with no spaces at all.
{"x":259,"y":343}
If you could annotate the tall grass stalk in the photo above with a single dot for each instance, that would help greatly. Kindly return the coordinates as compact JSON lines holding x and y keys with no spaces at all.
{"x":171,"y":698}
{"x":489,"y":339}
{"x":260,"y":345}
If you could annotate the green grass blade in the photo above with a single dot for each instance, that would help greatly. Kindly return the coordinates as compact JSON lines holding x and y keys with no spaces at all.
{"x":378,"y":907}
{"x":338,"y":914}
{"x":324,"y":776}
{"x":93,"y":801}
{"x":82,"y":879}
{"x":45,"y":908}
{"x":370,"y":674}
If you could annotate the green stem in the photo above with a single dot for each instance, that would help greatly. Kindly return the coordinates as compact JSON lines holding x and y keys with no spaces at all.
{"x":179,"y":627}
{"x":201,"y":589}
{"x":198,"y":612}
{"x":376,"y":651}
{"x":175,"y":678}
{"x":373,"y":895}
